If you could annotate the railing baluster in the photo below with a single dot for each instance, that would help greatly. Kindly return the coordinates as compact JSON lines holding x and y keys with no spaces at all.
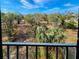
{"x":26,"y":52}
{"x":56,"y":52}
{"x":66,"y":52}
{"x":8,"y":44}
{"x":8,"y":55}
{"x":17,"y":52}
{"x":36,"y":52}
{"x":46,"y":52}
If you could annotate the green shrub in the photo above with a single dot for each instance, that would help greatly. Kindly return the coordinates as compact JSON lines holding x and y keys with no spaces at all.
{"x":55,"y":35}
{"x":71,"y":24}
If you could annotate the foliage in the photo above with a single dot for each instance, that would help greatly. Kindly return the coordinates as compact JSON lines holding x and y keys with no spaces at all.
{"x":72,"y":24}
{"x":40,"y":29}
{"x":55,"y":35}
{"x":40,"y":33}
{"x":50,"y":35}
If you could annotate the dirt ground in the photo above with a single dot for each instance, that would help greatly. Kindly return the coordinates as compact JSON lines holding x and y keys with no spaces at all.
{"x":71,"y":37}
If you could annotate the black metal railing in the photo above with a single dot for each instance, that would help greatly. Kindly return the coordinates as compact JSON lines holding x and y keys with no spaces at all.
{"x":17,"y":44}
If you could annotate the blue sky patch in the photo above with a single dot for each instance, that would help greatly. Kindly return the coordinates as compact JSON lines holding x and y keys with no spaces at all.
{"x":39,"y":6}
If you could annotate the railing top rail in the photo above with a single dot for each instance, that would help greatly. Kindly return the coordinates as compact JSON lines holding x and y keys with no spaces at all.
{"x":38,"y":44}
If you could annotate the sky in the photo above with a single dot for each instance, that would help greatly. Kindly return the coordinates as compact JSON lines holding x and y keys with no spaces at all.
{"x":39,"y":6}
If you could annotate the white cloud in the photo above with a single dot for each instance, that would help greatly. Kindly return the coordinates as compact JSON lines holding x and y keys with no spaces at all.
{"x":69,"y":4}
{"x":44,"y":1}
{"x":4,"y":10}
{"x":53,"y":10}
{"x":74,"y":9}
{"x":38,"y":4}
{"x":28,"y":5}
{"x":40,"y":1}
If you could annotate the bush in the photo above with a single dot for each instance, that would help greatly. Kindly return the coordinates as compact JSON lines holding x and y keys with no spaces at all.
{"x":71,"y":24}
{"x":55,"y":35}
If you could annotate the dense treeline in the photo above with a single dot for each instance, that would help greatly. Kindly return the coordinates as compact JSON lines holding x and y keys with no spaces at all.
{"x":43,"y":27}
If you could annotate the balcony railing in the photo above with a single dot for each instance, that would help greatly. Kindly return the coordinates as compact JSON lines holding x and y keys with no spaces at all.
{"x":17,"y":44}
